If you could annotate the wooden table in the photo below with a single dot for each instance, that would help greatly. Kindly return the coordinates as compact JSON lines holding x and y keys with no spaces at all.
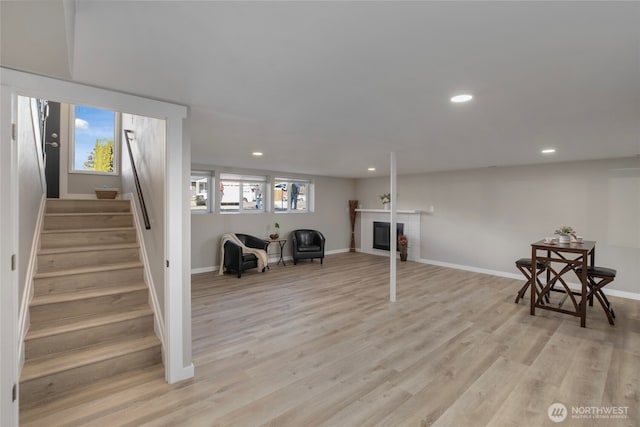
{"x":281,"y":243}
{"x":572,"y":255}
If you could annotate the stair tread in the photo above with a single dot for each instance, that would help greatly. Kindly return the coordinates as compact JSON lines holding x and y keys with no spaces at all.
{"x":60,"y":362}
{"x":89,"y":269}
{"x":88,"y":230}
{"x":103,"y":247}
{"x":79,"y":323}
{"x":87,"y":293}
{"x":31,"y":412}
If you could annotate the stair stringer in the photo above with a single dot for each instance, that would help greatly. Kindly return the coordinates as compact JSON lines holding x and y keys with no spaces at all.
{"x":28,"y":291}
{"x":158,"y":321}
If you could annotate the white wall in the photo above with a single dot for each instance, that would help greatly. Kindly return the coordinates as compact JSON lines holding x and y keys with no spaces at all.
{"x":487,"y":218}
{"x":31,"y":189}
{"x":148,"y":150}
{"x":331,"y":217}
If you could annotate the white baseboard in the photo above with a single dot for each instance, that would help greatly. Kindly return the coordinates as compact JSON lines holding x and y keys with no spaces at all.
{"x":623,"y":294}
{"x":336,"y":251}
{"x":272,"y":260}
{"x":573,"y":286}
{"x":204,"y":269}
{"x":470,"y":268}
{"x":184,"y":373}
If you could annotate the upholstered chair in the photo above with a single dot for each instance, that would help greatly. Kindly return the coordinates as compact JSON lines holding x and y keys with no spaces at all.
{"x":307,"y":244}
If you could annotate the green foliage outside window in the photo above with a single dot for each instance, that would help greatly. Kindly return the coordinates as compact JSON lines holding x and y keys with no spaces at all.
{"x":101,"y":157}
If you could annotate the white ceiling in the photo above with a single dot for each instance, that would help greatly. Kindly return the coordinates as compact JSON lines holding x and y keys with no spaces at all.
{"x":331,"y":88}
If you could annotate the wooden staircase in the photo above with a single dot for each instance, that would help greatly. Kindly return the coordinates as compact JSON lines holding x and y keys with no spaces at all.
{"x":90,"y":316}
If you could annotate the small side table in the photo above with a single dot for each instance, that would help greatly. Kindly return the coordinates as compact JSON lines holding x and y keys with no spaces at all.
{"x":281,"y":243}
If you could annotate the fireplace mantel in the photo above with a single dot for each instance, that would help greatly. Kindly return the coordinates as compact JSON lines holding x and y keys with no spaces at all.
{"x":413,"y":211}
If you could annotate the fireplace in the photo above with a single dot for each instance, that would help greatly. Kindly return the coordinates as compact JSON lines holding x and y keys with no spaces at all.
{"x":411,"y":220}
{"x":382,"y":234}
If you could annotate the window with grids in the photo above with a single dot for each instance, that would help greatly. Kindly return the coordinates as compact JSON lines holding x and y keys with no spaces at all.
{"x":201,"y":183}
{"x":292,"y":195}
{"x":242,"y":193}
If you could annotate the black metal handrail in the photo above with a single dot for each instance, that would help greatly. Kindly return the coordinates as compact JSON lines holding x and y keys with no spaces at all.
{"x":143,"y":206}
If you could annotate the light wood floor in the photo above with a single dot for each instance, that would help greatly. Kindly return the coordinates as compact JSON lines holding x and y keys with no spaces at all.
{"x":315,"y":344}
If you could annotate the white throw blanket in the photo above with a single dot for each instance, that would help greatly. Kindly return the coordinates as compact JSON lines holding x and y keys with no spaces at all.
{"x":259,"y":253}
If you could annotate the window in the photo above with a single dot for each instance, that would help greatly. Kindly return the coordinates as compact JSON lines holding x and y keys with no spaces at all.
{"x":201,"y":182}
{"x":291,"y":195}
{"x":242,"y":193}
{"x":95,"y":140}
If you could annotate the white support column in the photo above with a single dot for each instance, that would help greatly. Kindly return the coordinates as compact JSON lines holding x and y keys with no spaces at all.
{"x":393,"y":238}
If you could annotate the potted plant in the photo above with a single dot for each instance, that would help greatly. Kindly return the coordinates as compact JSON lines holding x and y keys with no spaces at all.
{"x":566,"y":233}
{"x":402,"y":245}
{"x":386,"y":199}
{"x":276,"y":234}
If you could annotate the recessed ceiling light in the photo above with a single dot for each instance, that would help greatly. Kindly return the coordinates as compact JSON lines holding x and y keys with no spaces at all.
{"x":257,"y":153}
{"x":371,"y":169}
{"x":463,"y":97}
{"x":548,"y":151}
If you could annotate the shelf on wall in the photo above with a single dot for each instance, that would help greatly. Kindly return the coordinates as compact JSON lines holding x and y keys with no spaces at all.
{"x":400,"y":211}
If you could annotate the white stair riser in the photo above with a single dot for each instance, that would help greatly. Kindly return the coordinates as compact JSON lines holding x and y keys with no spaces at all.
{"x":76,"y":282}
{"x":100,"y":305}
{"x":62,"y":261}
{"x":131,"y":328}
{"x":45,"y":388}
{"x":87,"y":221}
{"x":88,"y":238}
{"x":78,"y":206}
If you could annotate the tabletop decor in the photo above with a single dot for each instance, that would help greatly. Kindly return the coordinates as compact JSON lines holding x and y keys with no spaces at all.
{"x":402,"y":245}
{"x":566,"y":232}
{"x":386,"y":199}
{"x":276,"y":234}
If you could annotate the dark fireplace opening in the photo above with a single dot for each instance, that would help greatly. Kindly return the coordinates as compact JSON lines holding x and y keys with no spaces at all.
{"x":382,"y":235}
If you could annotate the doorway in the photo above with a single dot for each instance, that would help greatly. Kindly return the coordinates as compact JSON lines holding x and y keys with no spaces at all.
{"x":51,"y":145}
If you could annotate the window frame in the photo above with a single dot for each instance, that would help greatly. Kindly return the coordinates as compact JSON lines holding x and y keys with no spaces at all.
{"x":211,"y":195}
{"x":242,"y":180}
{"x":310,"y":193}
{"x":117,"y":140}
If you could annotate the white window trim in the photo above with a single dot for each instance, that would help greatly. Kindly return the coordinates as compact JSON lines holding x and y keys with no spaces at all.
{"x":117,"y":139}
{"x":310,"y":196}
{"x":246,"y":180}
{"x":211,"y":191}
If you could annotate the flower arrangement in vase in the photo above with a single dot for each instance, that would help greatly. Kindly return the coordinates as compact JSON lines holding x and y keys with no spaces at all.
{"x":566,"y":233}
{"x":402,"y":245}
{"x":386,"y":199}
{"x":276,"y":234}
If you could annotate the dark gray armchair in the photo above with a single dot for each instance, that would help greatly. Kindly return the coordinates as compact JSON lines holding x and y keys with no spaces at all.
{"x":237,"y":261}
{"x":307,"y":244}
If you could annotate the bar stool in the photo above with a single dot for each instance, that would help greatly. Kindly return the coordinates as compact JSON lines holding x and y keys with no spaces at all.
{"x":598,"y":278}
{"x":524,"y":265}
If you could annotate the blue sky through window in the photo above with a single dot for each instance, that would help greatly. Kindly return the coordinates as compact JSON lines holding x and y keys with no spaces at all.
{"x":91,"y":124}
